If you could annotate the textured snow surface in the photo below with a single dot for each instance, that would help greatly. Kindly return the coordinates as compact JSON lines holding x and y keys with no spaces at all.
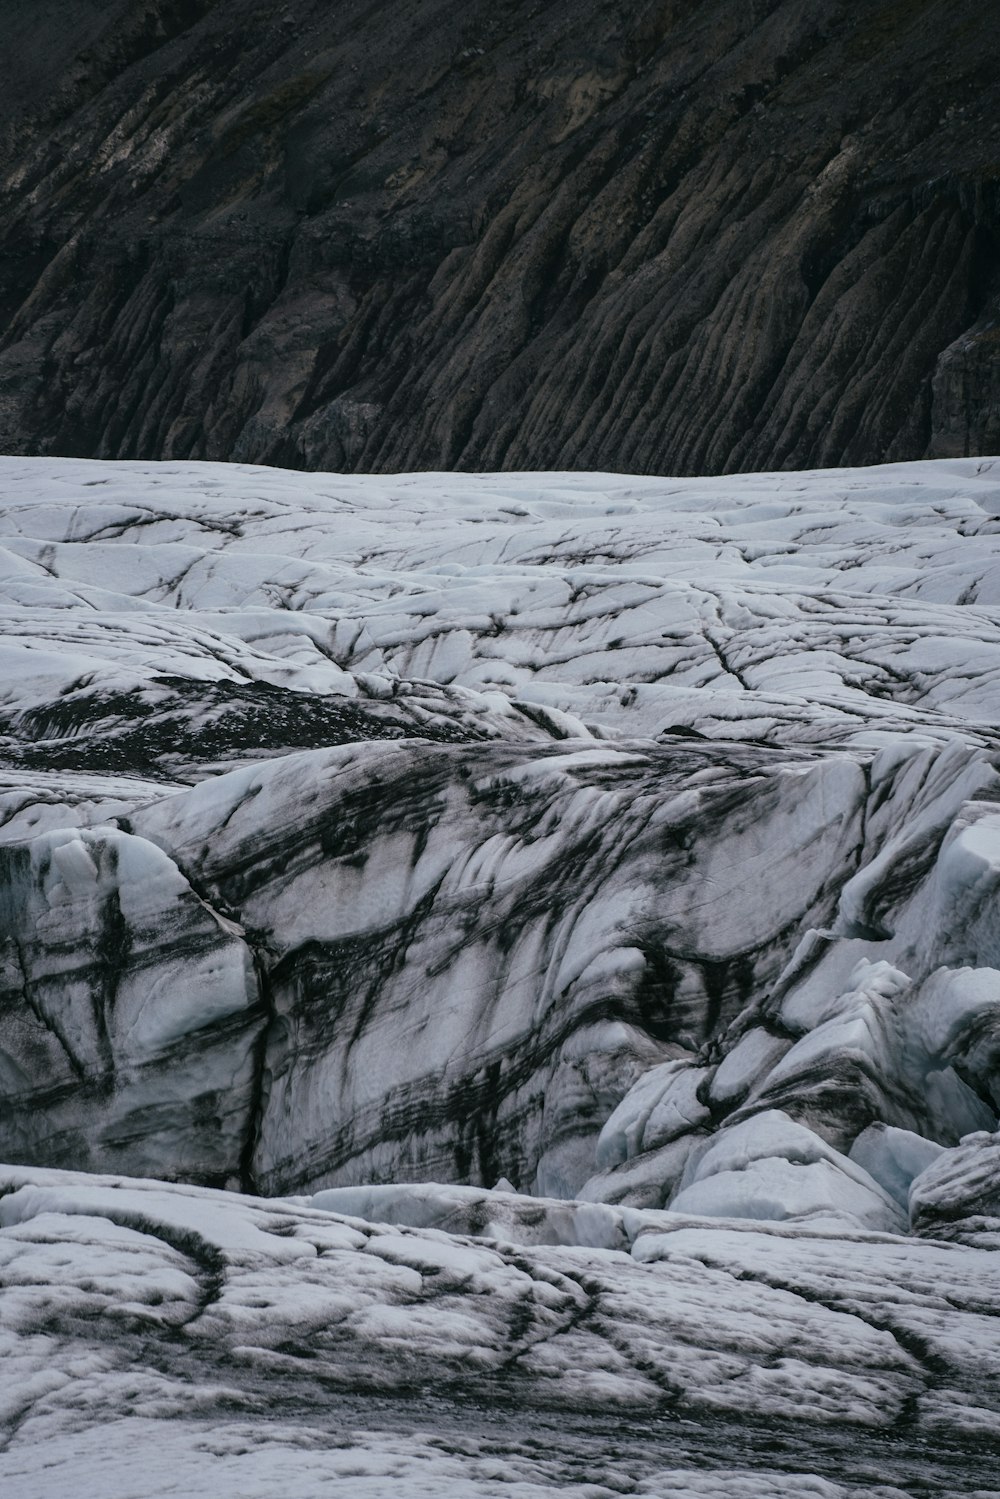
{"x":836,"y":601}
{"x":168,"y":1339}
{"x":631,"y":843}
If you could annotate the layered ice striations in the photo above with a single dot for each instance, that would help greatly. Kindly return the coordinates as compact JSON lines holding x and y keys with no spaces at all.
{"x":562,"y":910}
{"x":131,"y":1010}
{"x":631,"y":840}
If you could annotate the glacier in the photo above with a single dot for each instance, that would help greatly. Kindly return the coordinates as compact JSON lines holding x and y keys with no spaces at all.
{"x":480,"y":953}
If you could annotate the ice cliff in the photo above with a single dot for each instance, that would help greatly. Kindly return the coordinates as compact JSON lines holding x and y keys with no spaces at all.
{"x":540,"y":827}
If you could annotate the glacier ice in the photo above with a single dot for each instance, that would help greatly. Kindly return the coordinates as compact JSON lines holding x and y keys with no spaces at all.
{"x":560,"y":909}
{"x":476,"y":1342}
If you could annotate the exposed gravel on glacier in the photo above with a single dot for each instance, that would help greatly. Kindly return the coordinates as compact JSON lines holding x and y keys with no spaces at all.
{"x":634,"y":842}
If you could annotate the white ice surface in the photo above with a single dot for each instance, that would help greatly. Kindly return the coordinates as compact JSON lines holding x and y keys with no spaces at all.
{"x":613,"y":599}
{"x":163,"y":1339}
{"x":780,"y":1225}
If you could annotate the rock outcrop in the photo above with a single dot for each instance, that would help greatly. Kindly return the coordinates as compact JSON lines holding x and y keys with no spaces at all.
{"x":688,"y":238}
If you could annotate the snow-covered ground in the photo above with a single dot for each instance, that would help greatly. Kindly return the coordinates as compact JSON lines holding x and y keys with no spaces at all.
{"x":815,"y":606}
{"x":170,"y":1340}
{"x":368,"y":840}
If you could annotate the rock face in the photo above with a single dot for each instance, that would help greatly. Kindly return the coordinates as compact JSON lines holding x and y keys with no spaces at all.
{"x":631,"y":840}
{"x":682,"y":237}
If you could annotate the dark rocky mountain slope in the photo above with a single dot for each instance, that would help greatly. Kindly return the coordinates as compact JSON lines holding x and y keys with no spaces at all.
{"x":687,"y":235}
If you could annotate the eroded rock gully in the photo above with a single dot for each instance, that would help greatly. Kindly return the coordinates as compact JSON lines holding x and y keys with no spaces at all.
{"x":689,"y":238}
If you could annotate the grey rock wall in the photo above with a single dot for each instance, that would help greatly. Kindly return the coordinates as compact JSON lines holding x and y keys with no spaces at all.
{"x":694,"y":238}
